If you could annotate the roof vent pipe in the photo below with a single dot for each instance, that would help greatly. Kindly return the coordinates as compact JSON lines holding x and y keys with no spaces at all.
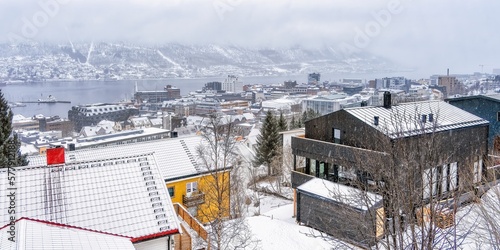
{"x":431,"y":117}
{"x":375,"y":120}
{"x":424,"y":118}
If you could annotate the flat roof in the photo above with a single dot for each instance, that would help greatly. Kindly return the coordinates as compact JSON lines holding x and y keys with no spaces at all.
{"x":339,"y":193}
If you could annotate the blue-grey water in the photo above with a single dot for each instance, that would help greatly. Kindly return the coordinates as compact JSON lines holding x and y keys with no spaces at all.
{"x":86,"y":92}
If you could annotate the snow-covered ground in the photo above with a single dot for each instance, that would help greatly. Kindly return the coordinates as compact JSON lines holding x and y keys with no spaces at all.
{"x":275,"y":228}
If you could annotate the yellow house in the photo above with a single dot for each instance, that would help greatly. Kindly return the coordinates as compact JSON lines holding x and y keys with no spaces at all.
{"x":205,"y":196}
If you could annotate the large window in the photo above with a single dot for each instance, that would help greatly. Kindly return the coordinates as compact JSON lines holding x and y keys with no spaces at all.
{"x":440,"y":179}
{"x":449,"y":178}
{"x":429,"y":179}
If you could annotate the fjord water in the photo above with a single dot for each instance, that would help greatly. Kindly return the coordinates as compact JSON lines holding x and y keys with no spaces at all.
{"x":87,"y":92}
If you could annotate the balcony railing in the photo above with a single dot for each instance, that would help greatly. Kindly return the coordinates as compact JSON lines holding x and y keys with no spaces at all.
{"x":299,"y":178}
{"x":193,"y":199}
{"x":336,"y":153}
{"x":191,"y":221}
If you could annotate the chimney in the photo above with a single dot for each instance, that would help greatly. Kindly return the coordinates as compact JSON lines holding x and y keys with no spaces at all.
{"x":424,"y":118}
{"x":431,"y":117}
{"x":375,"y":120}
{"x":173,"y":134}
{"x":448,"y":72}
{"x":71,"y":147}
{"x":55,"y":156}
{"x":364,"y":103}
{"x":387,"y":99}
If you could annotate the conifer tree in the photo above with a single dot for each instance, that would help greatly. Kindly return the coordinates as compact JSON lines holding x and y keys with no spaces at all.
{"x":293,"y":123}
{"x":10,"y":155}
{"x":282,"y":123}
{"x":268,"y":142}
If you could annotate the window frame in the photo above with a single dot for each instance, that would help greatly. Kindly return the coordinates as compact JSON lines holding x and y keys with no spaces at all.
{"x":171,"y":191}
{"x":191,"y":187}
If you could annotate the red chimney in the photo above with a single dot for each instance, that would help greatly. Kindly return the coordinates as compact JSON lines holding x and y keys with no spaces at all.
{"x":55,"y":156}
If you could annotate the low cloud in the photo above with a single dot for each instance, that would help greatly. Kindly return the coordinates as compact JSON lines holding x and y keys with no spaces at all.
{"x":429,"y":35}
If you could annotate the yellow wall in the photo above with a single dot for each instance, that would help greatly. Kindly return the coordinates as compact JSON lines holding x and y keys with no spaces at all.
{"x":180,"y":188}
{"x":206,"y":184}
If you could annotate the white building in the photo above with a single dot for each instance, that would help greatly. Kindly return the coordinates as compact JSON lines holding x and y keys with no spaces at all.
{"x":330,"y":103}
{"x":232,"y":84}
{"x":285,"y":104}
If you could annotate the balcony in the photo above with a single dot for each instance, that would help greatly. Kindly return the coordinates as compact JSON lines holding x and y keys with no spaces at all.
{"x":336,"y":153}
{"x":194,"y":199}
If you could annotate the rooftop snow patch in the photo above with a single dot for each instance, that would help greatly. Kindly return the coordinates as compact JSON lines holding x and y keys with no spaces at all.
{"x":341,"y":194}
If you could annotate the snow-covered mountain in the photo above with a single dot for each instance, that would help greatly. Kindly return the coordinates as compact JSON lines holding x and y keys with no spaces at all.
{"x":176,"y":60}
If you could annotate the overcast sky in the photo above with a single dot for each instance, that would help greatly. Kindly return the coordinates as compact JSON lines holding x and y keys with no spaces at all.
{"x":428,"y":35}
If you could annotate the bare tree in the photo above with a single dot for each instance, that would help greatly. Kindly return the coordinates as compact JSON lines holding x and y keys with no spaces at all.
{"x":223,"y":194}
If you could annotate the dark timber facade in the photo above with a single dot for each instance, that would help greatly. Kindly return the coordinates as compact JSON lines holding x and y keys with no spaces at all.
{"x":408,"y":153}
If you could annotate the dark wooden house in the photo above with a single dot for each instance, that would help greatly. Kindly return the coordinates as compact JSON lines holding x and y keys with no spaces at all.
{"x":409,"y":153}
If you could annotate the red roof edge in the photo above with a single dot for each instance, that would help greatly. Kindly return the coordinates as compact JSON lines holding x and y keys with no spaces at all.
{"x":154,"y":236}
{"x":68,"y":226}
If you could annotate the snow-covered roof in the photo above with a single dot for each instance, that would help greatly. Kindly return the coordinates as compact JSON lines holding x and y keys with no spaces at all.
{"x":156,"y":121}
{"x":176,"y":157}
{"x":43,"y":235}
{"x":340,"y":193}
{"x":118,"y":195}
{"x":406,"y":119}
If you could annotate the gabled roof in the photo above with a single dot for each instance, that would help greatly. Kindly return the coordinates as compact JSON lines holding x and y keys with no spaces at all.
{"x":122,"y":195}
{"x":405,"y":119}
{"x":33,"y":234}
{"x":339,"y":193}
{"x":176,"y":157}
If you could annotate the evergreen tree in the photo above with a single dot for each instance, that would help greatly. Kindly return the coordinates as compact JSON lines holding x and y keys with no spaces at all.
{"x":282,"y":123}
{"x":10,"y":155}
{"x":308,"y":115}
{"x":303,"y":119}
{"x":293,"y":123}
{"x":311,"y":114}
{"x":268,"y":142}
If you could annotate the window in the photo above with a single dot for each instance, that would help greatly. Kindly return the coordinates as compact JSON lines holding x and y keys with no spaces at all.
{"x":336,"y":135}
{"x":171,"y":192}
{"x":430,"y":182}
{"x":478,"y":166}
{"x":440,"y":180}
{"x":191,"y":187}
{"x":449,"y":178}
{"x":313,"y":167}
